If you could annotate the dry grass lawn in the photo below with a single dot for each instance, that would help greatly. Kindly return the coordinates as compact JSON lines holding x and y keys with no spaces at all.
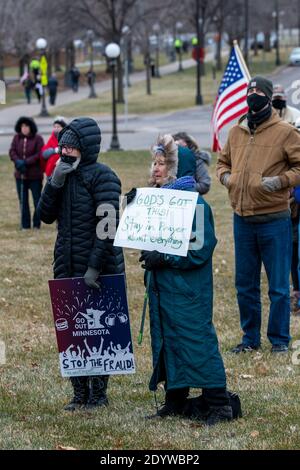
{"x":32,"y":393}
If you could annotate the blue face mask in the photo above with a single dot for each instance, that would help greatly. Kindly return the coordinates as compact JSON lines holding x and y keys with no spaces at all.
{"x":257,"y":102}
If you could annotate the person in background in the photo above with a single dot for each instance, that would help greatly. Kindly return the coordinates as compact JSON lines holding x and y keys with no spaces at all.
{"x":28,"y":85}
{"x":75,"y":76}
{"x":295,"y":217}
{"x":52,"y":87}
{"x":295,"y":299}
{"x":50,"y":151}
{"x":279,"y":102}
{"x":203,"y":160}
{"x":291,"y":115}
{"x":25,"y":153}
{"x":35,"y":68}
{"x":38,"y":88}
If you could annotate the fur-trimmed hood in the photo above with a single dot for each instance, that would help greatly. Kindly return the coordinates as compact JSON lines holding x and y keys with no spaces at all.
{"x":180,"y":161}
{"x":29,"y":122}
{"x":166,"y":147}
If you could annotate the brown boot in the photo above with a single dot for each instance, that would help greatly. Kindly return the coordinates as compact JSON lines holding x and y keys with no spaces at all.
{"x":295,"y":303}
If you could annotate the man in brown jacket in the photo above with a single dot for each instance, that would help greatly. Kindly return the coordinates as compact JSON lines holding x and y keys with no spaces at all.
{"x":258,"y":165}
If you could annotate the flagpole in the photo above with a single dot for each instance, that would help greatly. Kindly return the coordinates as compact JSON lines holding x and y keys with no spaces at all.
{"x":241,"y":57}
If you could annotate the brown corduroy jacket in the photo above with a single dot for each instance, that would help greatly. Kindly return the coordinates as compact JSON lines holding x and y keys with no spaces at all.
{"x":273,"y":150}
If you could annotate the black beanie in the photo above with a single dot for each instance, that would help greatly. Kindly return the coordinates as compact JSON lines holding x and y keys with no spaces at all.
{"x":69,"y":138}
{"x":265,"y":85}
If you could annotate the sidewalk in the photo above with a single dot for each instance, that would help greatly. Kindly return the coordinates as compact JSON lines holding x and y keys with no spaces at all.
{"x":9,"y":115}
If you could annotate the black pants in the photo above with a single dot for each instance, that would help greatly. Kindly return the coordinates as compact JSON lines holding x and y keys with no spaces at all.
{"x":52,"y":97}
{"x":23,"y":187}
{"x":28,"y":95}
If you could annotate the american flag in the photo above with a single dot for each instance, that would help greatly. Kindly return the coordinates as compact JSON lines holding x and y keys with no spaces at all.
{"x":231,"y":101}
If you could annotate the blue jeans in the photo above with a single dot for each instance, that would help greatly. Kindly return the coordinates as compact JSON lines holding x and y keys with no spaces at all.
{"x":23,"y":187}
{"x":271,"y":244}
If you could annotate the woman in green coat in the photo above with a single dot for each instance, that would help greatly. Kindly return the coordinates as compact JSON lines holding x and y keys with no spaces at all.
{"x":184,"y":342}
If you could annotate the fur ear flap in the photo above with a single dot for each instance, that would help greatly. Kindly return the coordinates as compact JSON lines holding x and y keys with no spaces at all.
{"x":166,"y":147}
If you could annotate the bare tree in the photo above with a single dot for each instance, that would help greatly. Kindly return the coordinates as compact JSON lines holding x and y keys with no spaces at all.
{"x":6,"y":15}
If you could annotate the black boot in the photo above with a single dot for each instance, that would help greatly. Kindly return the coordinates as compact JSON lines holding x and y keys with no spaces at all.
{"x":174,"y":404}
{"x":218,"y":414}
{"x":197,"y":408}
{"x":81,"y":393}
{"x":220,"y":408}
{"x":98,"y":391}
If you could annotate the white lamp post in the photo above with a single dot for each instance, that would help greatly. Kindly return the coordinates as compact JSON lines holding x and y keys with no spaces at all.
{"x":112,"y":51}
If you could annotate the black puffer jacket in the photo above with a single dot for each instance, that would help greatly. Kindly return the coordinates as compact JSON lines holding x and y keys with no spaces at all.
{"x":74,"y":207}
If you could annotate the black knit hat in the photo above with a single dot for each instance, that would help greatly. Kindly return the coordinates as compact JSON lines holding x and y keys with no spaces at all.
{"x":265,"y":85}
{"x":69,"y":138}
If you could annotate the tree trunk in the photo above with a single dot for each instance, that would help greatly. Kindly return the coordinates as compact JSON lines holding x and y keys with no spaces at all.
{"x":67,"y":65}
{"x":267,"y":42}
{"x":57,"y":66}
{"x":148,"y":74}
{"x":130,"y":56}
{"x":1,"y":65}
{"x":72,"y":54}
{"x":120,"y":98}
{"x":219,"y":51}
{"x":255,"y":52}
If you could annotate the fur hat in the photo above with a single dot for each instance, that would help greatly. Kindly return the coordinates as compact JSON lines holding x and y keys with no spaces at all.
{"x":167,"y":148}
{"x":29,"y":122}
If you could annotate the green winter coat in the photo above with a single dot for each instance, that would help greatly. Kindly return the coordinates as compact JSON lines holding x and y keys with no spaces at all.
{"x":184,"y":343}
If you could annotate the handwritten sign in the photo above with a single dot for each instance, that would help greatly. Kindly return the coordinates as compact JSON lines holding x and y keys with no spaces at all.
{"x":158,"y":219}
{"x":92,"y":327}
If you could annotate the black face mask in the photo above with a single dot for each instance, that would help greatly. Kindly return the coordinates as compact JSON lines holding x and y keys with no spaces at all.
{"x":279,"y":104}
{"x":257,"y":102}
{"x":68,"y":159}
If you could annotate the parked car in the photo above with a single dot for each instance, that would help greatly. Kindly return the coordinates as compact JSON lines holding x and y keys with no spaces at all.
{"x":295,"y":56}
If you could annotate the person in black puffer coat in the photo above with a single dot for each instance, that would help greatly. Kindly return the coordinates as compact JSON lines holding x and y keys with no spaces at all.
{"x":78,"y":186}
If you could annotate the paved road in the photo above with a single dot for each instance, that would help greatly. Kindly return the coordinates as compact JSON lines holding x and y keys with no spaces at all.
{"x":140,"y":132}
{"x":289,"y":77}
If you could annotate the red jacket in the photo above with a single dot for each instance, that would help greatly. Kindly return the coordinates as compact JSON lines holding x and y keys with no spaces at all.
{"x":49,"y":165}
{"x":28,"y":149}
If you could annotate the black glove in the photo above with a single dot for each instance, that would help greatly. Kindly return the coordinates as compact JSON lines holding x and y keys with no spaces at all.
{"x":91,"y":277}
{"x":20,"y":166}
{"x":153,"y":260}
{"x":128,"y":197}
